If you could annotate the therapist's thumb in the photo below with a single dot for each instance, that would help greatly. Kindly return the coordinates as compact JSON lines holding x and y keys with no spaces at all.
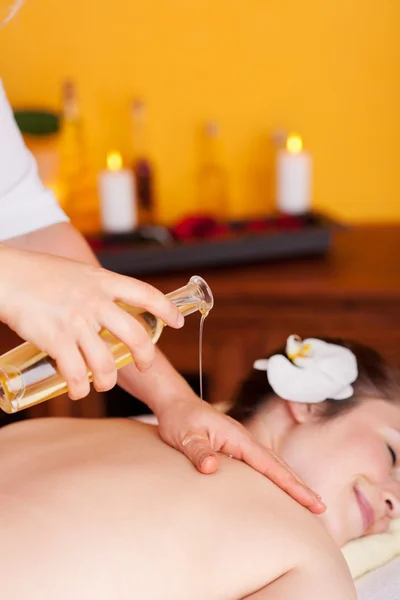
{"x":198,"y":449}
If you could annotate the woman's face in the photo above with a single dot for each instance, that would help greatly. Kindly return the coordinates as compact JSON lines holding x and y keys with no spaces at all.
{"x":353,"y":462}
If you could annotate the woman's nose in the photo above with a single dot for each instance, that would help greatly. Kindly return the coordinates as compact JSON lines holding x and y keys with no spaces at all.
{"x":392,"y":500}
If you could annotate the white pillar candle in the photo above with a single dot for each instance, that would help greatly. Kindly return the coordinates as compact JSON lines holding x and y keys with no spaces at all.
{"x":117,"y":197}
{"x":293,"y":178}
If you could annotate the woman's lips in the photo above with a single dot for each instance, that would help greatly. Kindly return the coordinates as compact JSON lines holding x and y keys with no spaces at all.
{"x":366,"y":510}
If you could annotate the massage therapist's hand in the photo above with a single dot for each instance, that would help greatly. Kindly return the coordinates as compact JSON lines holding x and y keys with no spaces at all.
{"x":60,"y":305}
{"x":199,"y":431}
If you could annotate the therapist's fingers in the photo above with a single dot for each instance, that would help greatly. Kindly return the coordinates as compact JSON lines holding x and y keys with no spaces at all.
{"x":266,"y":462}
{"x":197,"y":447}
{"x":131,"y":333}
{"x":199,"y":430}
{"x":139,"y":293}
{"x":72,"y":367}
{"x":99,"y":360}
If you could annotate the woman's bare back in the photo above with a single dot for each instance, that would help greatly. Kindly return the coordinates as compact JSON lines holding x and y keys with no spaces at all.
{"x":104,"y":510}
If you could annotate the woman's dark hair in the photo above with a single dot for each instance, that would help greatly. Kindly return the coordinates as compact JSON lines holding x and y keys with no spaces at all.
{"x":376,"y":379}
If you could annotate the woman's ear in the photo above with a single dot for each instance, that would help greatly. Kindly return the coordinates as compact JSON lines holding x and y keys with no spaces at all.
{"x":302,"y":412}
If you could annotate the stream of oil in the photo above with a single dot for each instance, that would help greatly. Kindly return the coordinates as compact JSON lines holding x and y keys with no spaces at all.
{"x":203,"y":318}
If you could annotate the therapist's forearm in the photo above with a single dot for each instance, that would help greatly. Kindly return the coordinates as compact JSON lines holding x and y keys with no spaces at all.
{"x":61,"y":239}
{"x":158,"y":386}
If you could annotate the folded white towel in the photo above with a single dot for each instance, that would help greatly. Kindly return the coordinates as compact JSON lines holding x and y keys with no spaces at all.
{"x":373,"y":551}
{"x":151,"y":419}
{"x":380,"y":584}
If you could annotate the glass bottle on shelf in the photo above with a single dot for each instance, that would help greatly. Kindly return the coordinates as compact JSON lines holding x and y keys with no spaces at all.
{"x":77,"y":190}
{"x":212,"y":181}
{"x":142,"y":165}
{"x":71,"y":139}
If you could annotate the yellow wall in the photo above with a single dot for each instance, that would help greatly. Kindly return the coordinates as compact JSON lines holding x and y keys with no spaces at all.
{"x":329,"y":69}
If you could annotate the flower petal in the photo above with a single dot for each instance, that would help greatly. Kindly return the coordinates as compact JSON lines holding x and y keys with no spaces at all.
{"x":344,"y":393}
{"x":261,"y":364}
{"x":295,"y":384}
{"x":319,"y":372}
{"x":309,"y":385}
{"x":338,"y":363}
{"x":293,"y":345}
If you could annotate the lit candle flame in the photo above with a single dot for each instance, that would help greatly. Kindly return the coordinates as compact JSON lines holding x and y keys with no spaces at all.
{"x":114,"y":161}
{"x":294,"y":143}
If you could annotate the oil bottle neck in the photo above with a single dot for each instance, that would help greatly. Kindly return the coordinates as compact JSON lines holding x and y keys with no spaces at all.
{"x":196,"y":295}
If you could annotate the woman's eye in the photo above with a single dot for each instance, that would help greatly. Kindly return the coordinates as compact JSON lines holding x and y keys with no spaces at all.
{"x":392,"y":454}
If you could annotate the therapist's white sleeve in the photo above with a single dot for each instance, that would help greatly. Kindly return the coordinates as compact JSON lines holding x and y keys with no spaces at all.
{"x":25,"y":205}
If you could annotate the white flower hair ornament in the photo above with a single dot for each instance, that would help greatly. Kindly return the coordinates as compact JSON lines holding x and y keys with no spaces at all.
{"x":313,"y":372}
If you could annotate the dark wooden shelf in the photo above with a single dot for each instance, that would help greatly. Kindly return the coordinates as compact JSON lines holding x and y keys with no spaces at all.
{"x":309,"y":235}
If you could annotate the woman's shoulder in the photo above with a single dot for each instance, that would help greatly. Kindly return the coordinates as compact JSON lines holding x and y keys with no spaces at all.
{"x":236,"y":526}
{"x":266,"y":526}
{"x":257,"y":499}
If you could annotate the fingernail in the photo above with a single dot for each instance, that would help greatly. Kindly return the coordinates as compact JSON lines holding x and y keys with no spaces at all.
{"x":319,"y":499}
{"x":181,"y":320}
{"x":204,"y":459}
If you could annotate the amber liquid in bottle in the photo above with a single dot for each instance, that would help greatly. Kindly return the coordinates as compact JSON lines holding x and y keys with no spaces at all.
{"x":142,"y":165}
{"x":29,"y":376}
{"x":212,"y":178}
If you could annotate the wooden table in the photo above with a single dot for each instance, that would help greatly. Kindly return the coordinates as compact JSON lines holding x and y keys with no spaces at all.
{"x":352,"y":292}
